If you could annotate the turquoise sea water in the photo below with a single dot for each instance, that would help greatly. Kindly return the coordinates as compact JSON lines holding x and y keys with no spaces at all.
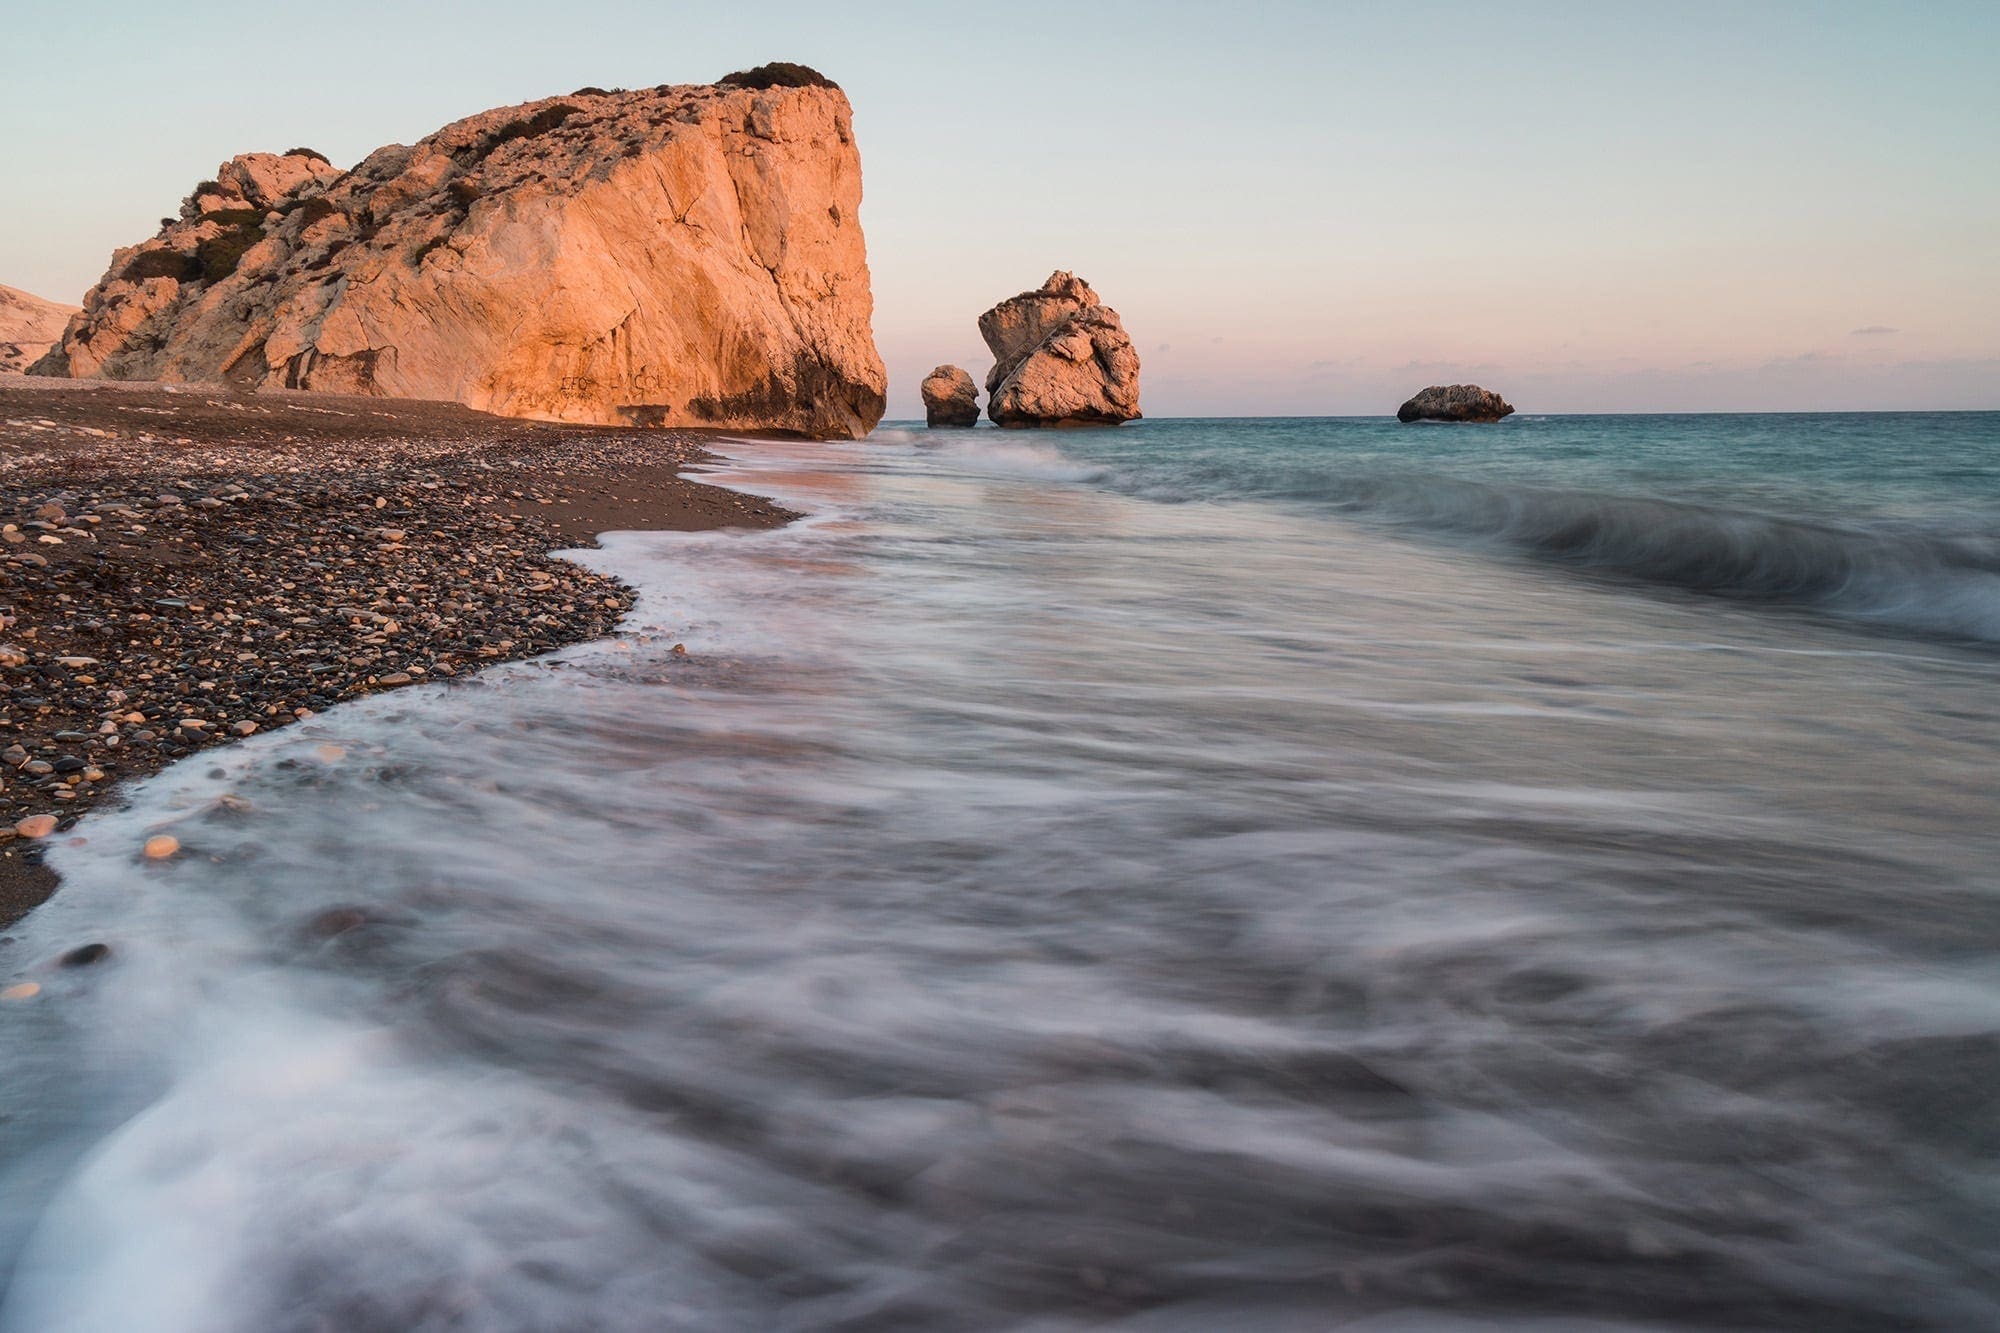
{"x":1208,"y":875}
{"x":1891,"y":516}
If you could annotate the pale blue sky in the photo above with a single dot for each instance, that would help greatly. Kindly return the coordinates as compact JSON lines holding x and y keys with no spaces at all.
{"x":1298,"y":208}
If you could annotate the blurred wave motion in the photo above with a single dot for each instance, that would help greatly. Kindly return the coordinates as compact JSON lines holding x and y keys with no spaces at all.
{"x":1380,"y":890}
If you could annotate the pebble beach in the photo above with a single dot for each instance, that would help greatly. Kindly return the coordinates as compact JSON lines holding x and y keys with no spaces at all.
{"x":181,"y":566}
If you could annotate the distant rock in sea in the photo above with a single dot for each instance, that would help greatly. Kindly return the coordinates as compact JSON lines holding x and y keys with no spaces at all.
{"x":1455,"y":402}
{"x":1060,"y":358}
{"x":677,"y":256}
{"x":950,"y":398}
{"x":28,"y":327}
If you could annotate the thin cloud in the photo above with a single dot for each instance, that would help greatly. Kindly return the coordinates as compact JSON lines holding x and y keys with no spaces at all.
{"x":1447,"y":368}
{"x":1873,"y":331}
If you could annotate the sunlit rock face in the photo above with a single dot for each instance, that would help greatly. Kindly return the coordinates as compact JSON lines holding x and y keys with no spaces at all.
{"x":1455,"y":402}
{"x":950,"y":398}
{"x":28,"y":326}
{"x":676,"y":256}
{"x":1060,"y":358}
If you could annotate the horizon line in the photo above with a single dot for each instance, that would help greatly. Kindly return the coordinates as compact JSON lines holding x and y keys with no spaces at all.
{"x":1516,"y":414}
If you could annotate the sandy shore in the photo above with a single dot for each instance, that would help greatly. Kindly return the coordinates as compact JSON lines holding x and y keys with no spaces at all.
{"x":184,"y":565}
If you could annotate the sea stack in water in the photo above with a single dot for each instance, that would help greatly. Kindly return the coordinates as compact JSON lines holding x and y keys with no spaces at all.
{"x":28,"y":327}
{"x":1455,"y":402}
{"x":676,"y":256}
{"x":1060,"y":358}
{"x":950,"y":398}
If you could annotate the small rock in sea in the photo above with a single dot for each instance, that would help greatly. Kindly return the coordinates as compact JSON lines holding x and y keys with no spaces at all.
{"x":161,"y":846}
{"x":950,"y":398}
{"x":1455,"y":402}
{"x":36,"y":826}
{"x":23,"y":990}
{"x":86,"y":954}
{"x":394,"y":678}
{"x":244,"y":728}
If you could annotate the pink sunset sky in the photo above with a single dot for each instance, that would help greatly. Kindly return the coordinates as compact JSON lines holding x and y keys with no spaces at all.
{"x":1298,"y":208}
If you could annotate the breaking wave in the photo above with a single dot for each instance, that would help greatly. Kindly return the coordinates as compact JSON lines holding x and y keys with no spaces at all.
{"x":1030,"y":462}
{"x":1937,"y":579}
{"x":1929,"y":582}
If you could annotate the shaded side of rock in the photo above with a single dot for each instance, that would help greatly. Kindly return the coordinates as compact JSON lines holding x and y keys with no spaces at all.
{"x":950,"y":398}
{"x":29,"y":326}
{"x":674,"y":256}
{"x":1455,"y":402}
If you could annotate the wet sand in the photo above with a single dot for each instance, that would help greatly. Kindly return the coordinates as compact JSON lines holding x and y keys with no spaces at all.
{"x":183,"y":565}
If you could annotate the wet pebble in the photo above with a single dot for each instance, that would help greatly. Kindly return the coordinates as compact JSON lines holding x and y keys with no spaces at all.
{"x":85,"y":955}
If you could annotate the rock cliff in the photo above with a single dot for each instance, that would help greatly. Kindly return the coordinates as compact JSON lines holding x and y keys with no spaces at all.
{"x":1060,"y":358}
{"x":1454,"y":402}
{"x":950,"y":398}
{"x":28,"y":327}
{"x":676,"y":256}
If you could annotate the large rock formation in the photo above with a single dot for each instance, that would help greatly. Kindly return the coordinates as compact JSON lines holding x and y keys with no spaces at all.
{"x":1454,"y":402}
{"x":1060,"y":358}
{"x":685,"y":255}
{"x":950,"y":398}
{"x":28,"y":327}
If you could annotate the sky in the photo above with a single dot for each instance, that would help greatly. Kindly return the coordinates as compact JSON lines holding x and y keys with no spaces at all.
{"x":1297,"y":208}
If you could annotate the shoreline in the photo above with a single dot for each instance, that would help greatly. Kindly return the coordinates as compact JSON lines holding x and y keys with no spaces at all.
{"x":184,"y":565}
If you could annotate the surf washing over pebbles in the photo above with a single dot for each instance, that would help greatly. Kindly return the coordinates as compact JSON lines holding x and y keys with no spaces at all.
{"x":1031,"y":904}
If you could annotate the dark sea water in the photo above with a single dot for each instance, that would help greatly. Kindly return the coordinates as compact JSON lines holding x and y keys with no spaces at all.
{"x":1248,"y":875}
